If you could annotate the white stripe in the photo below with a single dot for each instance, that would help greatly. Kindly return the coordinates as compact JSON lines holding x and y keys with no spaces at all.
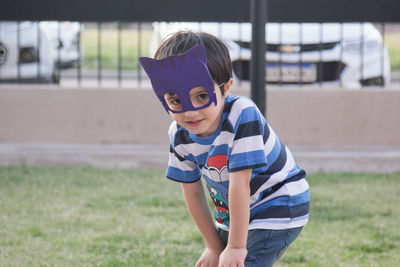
{"x":225,"y":138}
{"x":289,"y":189}
{"x":193,"y":148}
{"x":269,"y":145}
{"x":172,"y":131}
{"x":289,"y":158}
{"x":221,"y":226}
{"x":272,"y":223}
{"x":186,"y":165}
{"x":247,"y":144}
{"x":278,"y":223}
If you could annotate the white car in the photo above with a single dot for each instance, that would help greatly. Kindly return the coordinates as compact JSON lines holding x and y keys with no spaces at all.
{"x":25,"y":56}
{"x":65,"y":39}
{"x":351,"y":54}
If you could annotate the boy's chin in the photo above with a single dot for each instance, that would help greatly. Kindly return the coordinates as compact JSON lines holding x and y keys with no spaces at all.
{"x":200,"y":133}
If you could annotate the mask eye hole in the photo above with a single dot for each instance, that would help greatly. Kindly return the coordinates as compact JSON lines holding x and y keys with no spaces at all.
{"x":173,"y":101}
{"x":199,"y":97}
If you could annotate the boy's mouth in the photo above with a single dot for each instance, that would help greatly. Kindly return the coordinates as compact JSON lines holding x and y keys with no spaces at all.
{"x":194,"y":123}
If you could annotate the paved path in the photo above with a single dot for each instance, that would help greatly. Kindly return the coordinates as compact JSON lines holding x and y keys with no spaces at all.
{"x":314,"y":159}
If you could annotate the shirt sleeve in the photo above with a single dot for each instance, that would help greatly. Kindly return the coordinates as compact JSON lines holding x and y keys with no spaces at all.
{"x":181,"y":169}
{"x":248,"y":149}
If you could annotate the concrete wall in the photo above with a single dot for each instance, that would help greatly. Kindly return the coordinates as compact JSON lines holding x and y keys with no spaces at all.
{"x":336,"y":117}
{"x":299,"y":116}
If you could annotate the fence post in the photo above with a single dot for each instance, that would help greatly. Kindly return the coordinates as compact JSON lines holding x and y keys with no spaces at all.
{"x":258,"y":18}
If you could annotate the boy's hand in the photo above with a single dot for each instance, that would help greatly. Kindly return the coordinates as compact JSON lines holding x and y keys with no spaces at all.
{"x":209,"y":258}
{"x":232,"y":257}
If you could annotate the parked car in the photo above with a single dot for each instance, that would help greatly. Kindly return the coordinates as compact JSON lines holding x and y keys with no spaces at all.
{"x":307,"y":53}
{"x":25,"y":53}
{"x":65,"y":39}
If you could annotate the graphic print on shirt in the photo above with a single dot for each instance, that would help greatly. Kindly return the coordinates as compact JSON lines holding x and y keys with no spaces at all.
{"x":215,"y":173}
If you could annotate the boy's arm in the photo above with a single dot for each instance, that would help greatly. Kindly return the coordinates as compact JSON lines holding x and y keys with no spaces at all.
{"x":199,"y":209}
{"x":239,"y":212}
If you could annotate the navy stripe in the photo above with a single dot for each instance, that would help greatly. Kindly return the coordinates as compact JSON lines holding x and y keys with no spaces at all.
{"x":279,"y":163}
{"x":247,"y":129}
{"x":227,"y":127}
{"x":266,"y":133}
{"x":182,"y":137}
{"x":276,"y":187}
{"x":246,"y":167}
{"x":257,"y":182}
{"x":263,"y":177}
{"x":283,"y":211}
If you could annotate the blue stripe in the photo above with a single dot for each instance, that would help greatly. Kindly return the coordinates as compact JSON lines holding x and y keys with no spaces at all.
{"x":248,"y":114}
{"x":293,"y":172}
{"x":273,"y":155}
{"x":200,"y":159}
{"x":250,"y":158}
{"x":184,"y":176}
{"x":221,"y":149}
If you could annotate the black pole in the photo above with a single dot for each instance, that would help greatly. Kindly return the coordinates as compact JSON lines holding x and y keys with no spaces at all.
{"x":258,"y":17}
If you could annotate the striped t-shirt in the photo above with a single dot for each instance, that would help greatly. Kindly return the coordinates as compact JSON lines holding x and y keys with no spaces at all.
{"x":279,"y":192}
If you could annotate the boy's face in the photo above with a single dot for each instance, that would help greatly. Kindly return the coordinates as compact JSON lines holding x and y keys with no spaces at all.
{"x":203,"y":122}
{"x":179,"y":75}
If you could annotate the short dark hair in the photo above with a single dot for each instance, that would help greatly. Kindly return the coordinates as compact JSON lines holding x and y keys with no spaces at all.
{"x":218,"y":60}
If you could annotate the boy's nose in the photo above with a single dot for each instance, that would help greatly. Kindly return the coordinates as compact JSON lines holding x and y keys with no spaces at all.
{"x":190,"y":114}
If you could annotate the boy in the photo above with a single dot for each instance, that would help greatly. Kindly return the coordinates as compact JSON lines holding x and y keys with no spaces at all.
{"x":261,"y":196}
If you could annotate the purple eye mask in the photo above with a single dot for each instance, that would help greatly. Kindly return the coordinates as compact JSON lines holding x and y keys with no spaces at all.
{"x":178,"y":75}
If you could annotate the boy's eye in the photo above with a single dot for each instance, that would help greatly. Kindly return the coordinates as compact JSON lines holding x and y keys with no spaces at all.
{"x":199,"y":97}
{"x":175,"y":101}
{"x":203,"y":96}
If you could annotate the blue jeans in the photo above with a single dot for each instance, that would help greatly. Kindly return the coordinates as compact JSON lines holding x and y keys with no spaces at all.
{"x":265,"y":247}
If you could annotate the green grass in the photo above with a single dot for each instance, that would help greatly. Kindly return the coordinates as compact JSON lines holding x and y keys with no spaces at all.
{"x":392,"y":42}
{"x":80,"y":216}
{"x":133,"y":46}
{"x":354,"y":221}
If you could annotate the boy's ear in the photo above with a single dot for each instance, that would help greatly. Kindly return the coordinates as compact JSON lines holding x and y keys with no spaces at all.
{"x":198,"y":52}
{"x":227,"y":86}
{"x":147,"y":64}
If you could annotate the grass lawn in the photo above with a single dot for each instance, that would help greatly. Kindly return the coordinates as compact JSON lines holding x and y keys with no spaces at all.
{"x":393,"y":44}
{"x":134,"y":44}
{"x":75,"y":216}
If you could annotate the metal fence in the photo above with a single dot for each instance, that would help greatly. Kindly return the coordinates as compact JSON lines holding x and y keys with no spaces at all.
{"x":315,"y":47}
{"x":105,"y":54}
